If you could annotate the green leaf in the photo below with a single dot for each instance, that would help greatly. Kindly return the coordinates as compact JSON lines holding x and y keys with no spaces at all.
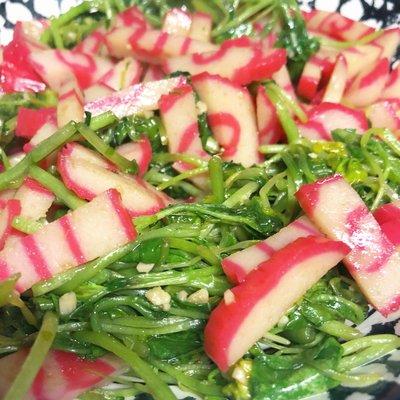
{"x":280,"y":378}
{"x":294,"y":37}
{"x":172,"y":346}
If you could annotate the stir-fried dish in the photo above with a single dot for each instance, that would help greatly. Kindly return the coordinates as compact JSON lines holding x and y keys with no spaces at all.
{"x":198,"y":198}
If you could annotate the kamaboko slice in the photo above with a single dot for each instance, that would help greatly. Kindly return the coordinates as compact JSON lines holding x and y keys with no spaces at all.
{"x":35,"y":199}
{"x":137,"y":99}
{"x":86,"y":233}
{"x":88,"y":179}
{"x":63,"y":375}
{"x":339,"y":212}
{"x":238,"y":265}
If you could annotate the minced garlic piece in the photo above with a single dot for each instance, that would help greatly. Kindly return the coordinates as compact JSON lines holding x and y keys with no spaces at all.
{"x":67,"y":303}
{"x":239,"y":374}
{"x":182,"y":295}
{"x":199,"y":297}
{"x":229,"y":297}
{"x":144,"y":268}
{"x":159,"y":297}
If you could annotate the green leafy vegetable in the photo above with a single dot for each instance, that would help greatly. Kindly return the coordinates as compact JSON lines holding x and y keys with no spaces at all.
{"x":73,"y":26}
{"x":281,"y":377}
{"x":294,"y":37}
{"x":169,"y":347}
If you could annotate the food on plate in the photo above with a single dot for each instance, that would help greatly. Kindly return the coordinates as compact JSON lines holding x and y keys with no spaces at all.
{"x":196,"y":196}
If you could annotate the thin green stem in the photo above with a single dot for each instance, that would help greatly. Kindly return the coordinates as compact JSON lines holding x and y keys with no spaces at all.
{"x":366,"y":356}
{"x":145,"y":221}
{"x":155,"y":177}
{"x":242,"y":17}
{"x":251,"y":173}
{"x":185,"y":175}
{"x":4,"y":159}
{"x":388,"y":137}
{"x":351,"y":43}
{"x":56,"y":186}
{"x":197,"y":278}
{"x":110,"y":304}
{"x":238,"y":246}
{"x":120,"y":5}
{"x":264,"y":191}
{"x":357,"y":310}
{"x":123,"y":326}
{"x":368,"y":341}
{"x":53,"y":142}
{"x":73,"y":13}
{"x":381,"y":190}
{"x":189,"y":159}
{"x":107,"y":151}
{"x":290,"y":103}
{"x":102,"y":120}
{"x":241,"y":195}
{"x":14,"y":175}
{"x":286,"y":120}
{"x":206,"y":389}
{"x":194,"y":248}
{"x":359,"y":380}
{"x":217,"y":179}
{"x":57,"y":39}
{"x":26,"y":225}
{"x":340,"y":330}
{"x":272,"y":148}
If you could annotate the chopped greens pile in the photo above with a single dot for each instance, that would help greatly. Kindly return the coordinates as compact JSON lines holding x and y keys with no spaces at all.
{"x":185,"y":243}
{"x":178,"y":251}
